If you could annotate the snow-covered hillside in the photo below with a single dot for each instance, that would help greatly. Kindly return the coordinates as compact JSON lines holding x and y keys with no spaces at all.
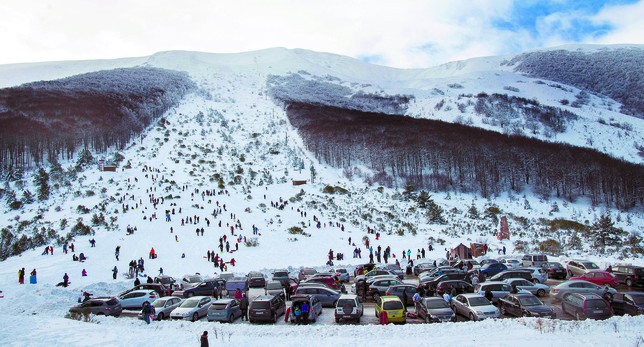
{"x":228,"y":156}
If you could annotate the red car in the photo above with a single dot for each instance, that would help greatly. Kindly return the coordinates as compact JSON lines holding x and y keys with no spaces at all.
{"x":599,"y":277}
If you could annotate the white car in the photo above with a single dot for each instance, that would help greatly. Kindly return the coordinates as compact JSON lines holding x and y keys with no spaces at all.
{"x":189,"y":281}
{"x":136,"y":298}
{"x":164,"y":306}
{"x":510,"y":263}
{"x":474,"y":306}
{"x":192,"y":309}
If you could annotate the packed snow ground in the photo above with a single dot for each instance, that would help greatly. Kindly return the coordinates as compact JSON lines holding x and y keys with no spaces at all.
{"x":208,"y":134}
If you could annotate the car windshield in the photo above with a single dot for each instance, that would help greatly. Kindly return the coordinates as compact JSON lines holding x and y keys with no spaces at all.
{"x":475,"y":301}
{"x":219,"y":306}
{"x":555,"y":265}
{"x":590,"y":265}
{"x":274,"y":285}
{"x":530,"y":301}
{"x":193,"y":279}
{"x":432,"y":304}
{"x":392,"y":305}
{"x":190,"y":303}
{"x":254,"y":275}
{"x":638,"y":299}
{"x":309,"y":271}
{"x":346,"y":302}
{"x":280,"y":274}
{"x":159,"y":303}
{"x":233,"y":286}
{"x":640,"y":272}
{"x":596,"y":304}
{"x":343,"y":271}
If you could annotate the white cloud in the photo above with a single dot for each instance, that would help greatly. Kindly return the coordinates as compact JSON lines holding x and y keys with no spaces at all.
{"x":404,"y":33}
{"x":627,"y":22}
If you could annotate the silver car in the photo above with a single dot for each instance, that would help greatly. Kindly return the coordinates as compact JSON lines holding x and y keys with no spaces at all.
{"x":224,"y":310}
{"x":578,"y":286}
{"x":164,"y":306}
{"x":189,"y":281}
{"x":435,"y":310}
{"x":192,"y":309}
{"x":474,"y":306}
{"x":537,"y":289}
{"x":539,"y":274}
{"x":499,"y":289}
{"x":136,"y":298}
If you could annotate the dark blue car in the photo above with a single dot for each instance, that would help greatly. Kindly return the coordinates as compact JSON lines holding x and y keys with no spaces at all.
{"x":491,"y":269}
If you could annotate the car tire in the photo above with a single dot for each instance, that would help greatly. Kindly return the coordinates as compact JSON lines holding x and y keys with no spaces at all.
{"x":160,"y":316}
{"x":427,"y":320}
{"x":376,"y":297}
{"x":577,"y":316}
{"x":189,"y":295}
{"x":274,"y":318}
{"x":502,"y":310}
{"x":231,"y":318}
{"x":629,"y":282}
{"x":525,"y":315}
{"x":570,"y":274}
{"x":195,"y":317}
{"x":337,"y":320}
{"x":472,"y":317}
{"x":541,"y":292}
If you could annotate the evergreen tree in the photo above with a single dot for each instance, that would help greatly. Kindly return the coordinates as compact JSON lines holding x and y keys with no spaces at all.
{"x":27,"y":197}
{"x":473,"y":212}
{"x":85,"y":158}
{"x":422,"y":199}
{"x":435,"y":213}
{"x":605,"y":233}
{"x":313,"y":173}
{"x":41,"y":180}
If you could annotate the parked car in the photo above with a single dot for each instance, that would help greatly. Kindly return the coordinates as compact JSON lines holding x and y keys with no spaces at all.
{"x":207,"y":287}
{"x":555,"y":270}
{"x":379,"y":287}
{"x":631,"y":303}
{"x":510,"y":263}
{"x":537,"y":289}
{"x":525,"y":305}
{"x":189,"y":281}
{"x":327,"y":281}
{"x":233,"y":284}
{"x":437,"y":272}
{"x":534,"y":260}
{"x":256,"y":279}
{"x":464,"y":264}
{"x":405,"y":292}
{"x":160,"y":288}
{"x":538,"y":274}
{"x":342,"y":274}
{"x":488,"y":261}
{"x":136,"y":298}
{"x":224,"y":310}
{"x":192,"y":309}
{"x":491,"y":269}
{"x":164,"y":307}
{"x":315,"y":307}
{"x":504,"y":275}
{"x":361,"y":270}
{"x":580,"y":267}
{"x":474,"y":306}
{"x":586,"y":305}
{"x":458,"y":285}
{"x":282,"y":276}
{"x":348,"y":308}
{"x":396,"y":270}
{"x":305,"y":273}
{"x":226,"y":275}
{"x":108,"y":306}
{"x":629,"y":275}
{"x":499,"y":289}
{"x":422,"y":267}
{"x":435,"y":310}
{"x":328,"y":297}
{"x":266,"y":308}
{"x":599,"y":277}
{"x":561,"y":289}
{"x":394,"y":308}
{"x":431,"y":284}
{"x":274,"y":288}
{"x":168,"y":281}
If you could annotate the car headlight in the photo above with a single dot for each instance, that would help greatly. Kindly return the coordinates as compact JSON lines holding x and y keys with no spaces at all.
{"x":479,"y":312}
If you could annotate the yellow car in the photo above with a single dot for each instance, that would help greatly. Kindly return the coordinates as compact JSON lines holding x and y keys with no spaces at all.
{"x":394,"y":308}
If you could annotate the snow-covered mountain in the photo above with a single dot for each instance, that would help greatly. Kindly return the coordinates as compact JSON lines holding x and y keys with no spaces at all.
{"x":236,"y":130}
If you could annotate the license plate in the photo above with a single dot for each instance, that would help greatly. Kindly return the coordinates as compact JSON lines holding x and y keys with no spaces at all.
{"x":346,"y":316}
{"x":599,"y":311}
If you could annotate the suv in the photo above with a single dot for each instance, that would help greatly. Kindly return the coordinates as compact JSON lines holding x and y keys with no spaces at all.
{"x":585,"y":305}
{"x":109,"y":306}
{"x":534,"y":259}
{"x":431,"y":284}
{"x":580,"y":267}
{"x":266,"y":308}
{"x":348,"y":307}
{"x":629,"y":274}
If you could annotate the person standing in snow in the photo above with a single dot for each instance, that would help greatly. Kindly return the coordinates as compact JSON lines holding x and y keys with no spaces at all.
{"x":33,"y":280}
{"x":115,"y":271}
{"x":66,"y":279}
{"x":244,"y":307}
{"x":21,"y":276}
{"x":137,"y":281}
{"x":204,"y":339}
{"x":146,"y":311}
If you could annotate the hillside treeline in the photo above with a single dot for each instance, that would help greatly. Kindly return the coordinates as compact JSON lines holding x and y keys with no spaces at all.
{"x":617,"y":73}
{"x":441,"y":156}
{"x":96,"y":110}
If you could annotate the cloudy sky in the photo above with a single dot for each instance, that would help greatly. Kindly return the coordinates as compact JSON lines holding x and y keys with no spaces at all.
{"x":396,"y":33}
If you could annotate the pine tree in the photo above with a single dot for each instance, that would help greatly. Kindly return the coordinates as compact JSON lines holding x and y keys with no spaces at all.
{"x":422,"y":199}
{"x":27,"y":197}
{"x":41,"y":180}
{"x":435,"y":213}
{"x":473,"y":212}
{"x":605,"y":233}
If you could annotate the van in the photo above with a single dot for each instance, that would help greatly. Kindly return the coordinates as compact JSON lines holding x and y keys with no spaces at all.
{"x":240,"y":283}
{"x":586,"y":305}
{"x":534,"y":260}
